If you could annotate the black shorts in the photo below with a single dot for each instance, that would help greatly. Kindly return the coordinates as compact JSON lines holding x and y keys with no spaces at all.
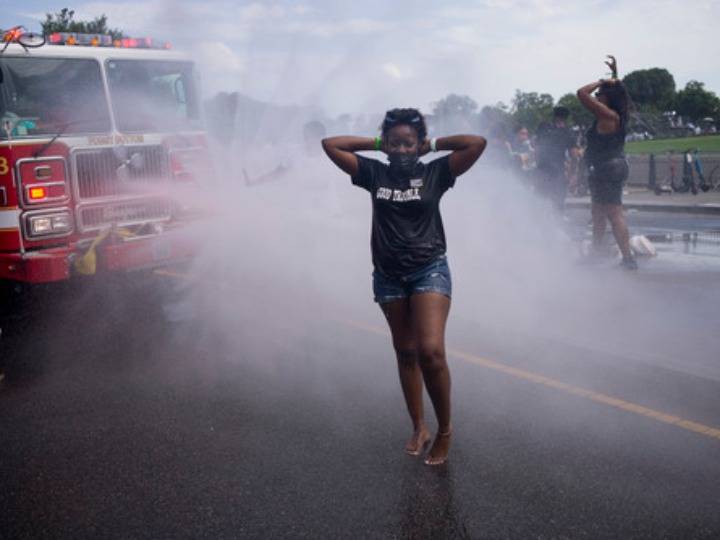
{"x":606,"y":181}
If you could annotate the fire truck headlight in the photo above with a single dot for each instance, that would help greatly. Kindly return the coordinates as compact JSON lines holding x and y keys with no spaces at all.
{"x":40,"y":225}
{"x":61,"y":223}
{"x":50,"y":224}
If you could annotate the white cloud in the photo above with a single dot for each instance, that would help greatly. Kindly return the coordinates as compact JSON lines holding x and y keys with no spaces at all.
{"x":393,"y":70}
{"x":134,"y":17}
{"x":259,"y":12}
{"x":216,"y":57}
{"x":301,"y":9}
{"x":349,"y":57}
{"x":327,"y":29}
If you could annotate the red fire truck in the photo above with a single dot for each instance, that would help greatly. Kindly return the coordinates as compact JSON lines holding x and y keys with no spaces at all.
{"x":97,"y":138}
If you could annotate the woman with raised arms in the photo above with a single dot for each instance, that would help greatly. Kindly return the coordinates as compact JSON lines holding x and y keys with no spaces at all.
{"x":605,"y":157}
{"x":411,"y":277}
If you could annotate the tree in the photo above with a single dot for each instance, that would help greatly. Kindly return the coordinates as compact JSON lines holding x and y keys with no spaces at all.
{"x":62,"y":21}
{"x":695,"y":103}
{"x":651,"y":89}
{"x":455,"y":105}
{"x":495,"y":115}
{"x":578,"y":114}
{"x":455,"y":112}
{"x":529,"y":109}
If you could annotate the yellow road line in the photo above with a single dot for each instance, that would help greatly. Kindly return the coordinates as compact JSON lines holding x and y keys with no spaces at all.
{"x":536,"y":378}
{"x":597,"y":397}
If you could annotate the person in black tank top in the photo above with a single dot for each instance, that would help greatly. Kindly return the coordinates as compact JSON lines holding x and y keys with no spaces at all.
{"x":411,"y":278}
{"x":605,"y":158}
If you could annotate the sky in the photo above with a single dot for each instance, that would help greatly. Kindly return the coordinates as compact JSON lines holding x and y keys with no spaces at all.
{"x":358,"y":57}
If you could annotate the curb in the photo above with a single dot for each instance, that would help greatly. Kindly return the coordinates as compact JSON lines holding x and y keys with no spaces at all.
{"x":651,"y":207}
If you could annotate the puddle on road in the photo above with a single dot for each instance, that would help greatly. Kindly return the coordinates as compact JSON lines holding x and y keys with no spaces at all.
{"x":696,"y":251}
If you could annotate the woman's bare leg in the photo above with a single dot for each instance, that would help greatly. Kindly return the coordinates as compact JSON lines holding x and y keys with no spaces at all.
{"x":429,"y":313}
{"x":397,"y":314}
{"x":619,"y":229}
{"x":599,"y":219}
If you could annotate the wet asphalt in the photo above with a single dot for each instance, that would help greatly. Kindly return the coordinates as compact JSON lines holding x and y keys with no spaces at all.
{"x":137,"y":427}
{"x":119,"y":419}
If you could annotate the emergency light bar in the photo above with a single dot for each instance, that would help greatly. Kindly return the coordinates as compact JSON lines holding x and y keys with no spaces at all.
{"x":103,"y":40}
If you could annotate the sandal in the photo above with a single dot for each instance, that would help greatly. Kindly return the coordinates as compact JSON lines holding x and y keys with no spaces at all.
{"x":433,"y":462}
{"x":423,"y":442}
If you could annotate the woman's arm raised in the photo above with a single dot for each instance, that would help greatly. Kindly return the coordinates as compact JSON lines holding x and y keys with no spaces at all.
{"x":341,"y":151}
{"x":602,"y":112}
{"x":466,"y":149}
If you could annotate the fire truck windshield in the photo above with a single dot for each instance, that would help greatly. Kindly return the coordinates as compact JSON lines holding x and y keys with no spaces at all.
{"x":39,"y":96}
{"x":153,"y":95}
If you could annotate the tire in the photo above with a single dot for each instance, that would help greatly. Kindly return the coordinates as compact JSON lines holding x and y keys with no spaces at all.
{"x":683,"y":187}
{"x":31,"y":40}
{"x":713,"y":179}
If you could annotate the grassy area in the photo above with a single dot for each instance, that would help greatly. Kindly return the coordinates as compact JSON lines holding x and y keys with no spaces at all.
{"x":704,"y":143}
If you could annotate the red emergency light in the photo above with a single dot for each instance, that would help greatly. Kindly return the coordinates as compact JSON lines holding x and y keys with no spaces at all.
{"x":103,"y":40}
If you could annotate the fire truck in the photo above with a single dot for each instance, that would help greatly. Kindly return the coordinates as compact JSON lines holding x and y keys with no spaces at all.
{"x":97,"y":139}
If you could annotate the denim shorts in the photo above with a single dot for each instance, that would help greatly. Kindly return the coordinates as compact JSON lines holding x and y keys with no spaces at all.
{"x":434,"y":277}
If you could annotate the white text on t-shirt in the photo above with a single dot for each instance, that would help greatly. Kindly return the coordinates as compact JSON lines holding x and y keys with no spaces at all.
{"x":397,"y":195}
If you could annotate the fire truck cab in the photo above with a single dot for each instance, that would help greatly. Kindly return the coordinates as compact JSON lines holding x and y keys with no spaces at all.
{"x":96,"y":144}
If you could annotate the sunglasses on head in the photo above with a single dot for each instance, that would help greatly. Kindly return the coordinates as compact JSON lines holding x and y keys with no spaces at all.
{"x":390,"y":119}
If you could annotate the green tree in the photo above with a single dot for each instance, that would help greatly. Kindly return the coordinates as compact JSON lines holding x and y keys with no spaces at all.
{"x":454,"y":112}
{"x":651,"y":89}
{"x":529,"y":109}
{"x":63,"y":21}
{"x":496,"y":115}
{"x":455,"y":105}
{"x":578,"y":114}
{"x":694,"y":102}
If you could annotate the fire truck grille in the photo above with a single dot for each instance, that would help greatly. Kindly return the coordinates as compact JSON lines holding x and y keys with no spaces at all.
{"x":124,"y":213}
{"x":121,"y":171}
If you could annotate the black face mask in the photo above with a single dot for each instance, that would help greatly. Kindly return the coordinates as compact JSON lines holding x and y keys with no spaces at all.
{"x":403,"y":165}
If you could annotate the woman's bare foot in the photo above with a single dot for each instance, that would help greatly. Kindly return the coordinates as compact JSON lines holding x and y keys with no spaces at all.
{"x":439,"y":451}
{"x":417,"y":441}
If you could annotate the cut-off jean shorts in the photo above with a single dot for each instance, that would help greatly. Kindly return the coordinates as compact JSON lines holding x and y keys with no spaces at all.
{"x":434,"y":277}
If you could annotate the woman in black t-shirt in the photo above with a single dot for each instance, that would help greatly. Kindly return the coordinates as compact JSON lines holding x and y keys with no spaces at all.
{"x":411,"y":278}
{"x":605,"y":157}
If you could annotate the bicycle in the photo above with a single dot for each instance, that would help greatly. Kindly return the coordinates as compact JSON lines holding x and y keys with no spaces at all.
{"x":688,"y":175}
{"x":667,"y":184}
{"x":710,"y":181}
{"x":713,"y":179}
{"x":20,"y":35}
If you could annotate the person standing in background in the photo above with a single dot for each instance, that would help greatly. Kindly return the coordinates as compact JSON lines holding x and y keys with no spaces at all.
{"x":555,"y":144}
{"x":522,"y":151}
{"x":605,"y":156}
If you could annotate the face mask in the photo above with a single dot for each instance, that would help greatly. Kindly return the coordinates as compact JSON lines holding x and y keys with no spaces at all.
{"x":403,"y":165}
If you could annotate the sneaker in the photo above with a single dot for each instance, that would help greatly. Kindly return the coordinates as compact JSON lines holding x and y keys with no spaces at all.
{"x":629,"y":263}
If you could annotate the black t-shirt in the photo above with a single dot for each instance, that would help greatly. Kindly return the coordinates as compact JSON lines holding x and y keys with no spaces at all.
{"x":407,"y":230}
{"x":552,"y":142}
